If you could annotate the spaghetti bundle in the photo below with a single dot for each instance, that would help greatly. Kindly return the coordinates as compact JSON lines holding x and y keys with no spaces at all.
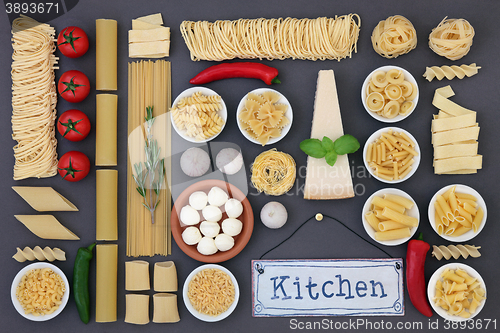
{"x":34,"y":98}
{"x":312,"y":39}
{"x":149,"y":85}
{"x":273,"y":172}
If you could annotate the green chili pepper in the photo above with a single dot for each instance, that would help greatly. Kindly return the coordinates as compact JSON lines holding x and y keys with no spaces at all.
{"x":81,"y":281}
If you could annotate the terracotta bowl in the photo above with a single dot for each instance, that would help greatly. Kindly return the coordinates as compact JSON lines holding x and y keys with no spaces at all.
{"x":240,"y":241}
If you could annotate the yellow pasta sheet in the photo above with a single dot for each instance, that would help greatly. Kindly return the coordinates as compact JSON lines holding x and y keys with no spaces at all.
{"x":46,"y":227}
{"x":106,"y":130}
{"x":137,"y":275}
{"x":458,"y":135}
{"x":106,"y":54}
{"x":106,"y":282}
{"x":165,"y":276}
{"x":165,"y":308}
{"x":152,"y":35}
{"x":107,"y":204}
{"x":137,"y":309}
{"x":157,"y":49}
{"x":458,"y":163}
{"x":442,"y":102}
{"x":152,"y":19}
{"x":141,"y":25}
{"x":451,"y":123}
{"x":44,"y":199}
{"x":455,"y":150}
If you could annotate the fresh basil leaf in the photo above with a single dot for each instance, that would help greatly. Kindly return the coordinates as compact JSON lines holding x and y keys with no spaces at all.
{"x":327,"y":143}
{"x":331,"y":157}
{"x":313,"y":148}
{"x":346,"y":144}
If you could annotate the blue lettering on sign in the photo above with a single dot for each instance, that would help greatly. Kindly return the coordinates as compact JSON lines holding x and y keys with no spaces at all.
{"x":358,"y":288}
{"x":309,"y":286}
{"x":341,"y":282}
{"x":374,"y":294}
{"x":324,"y":292}
{"x":280,"y":286}
{"x":297,"y":283}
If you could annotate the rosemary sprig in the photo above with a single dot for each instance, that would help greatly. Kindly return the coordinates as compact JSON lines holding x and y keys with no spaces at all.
{"x":150,"y":176}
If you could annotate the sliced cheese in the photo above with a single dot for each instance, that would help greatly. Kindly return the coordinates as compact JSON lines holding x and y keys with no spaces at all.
{"x":44,"y":199}
{"x":152,"y":19}
{"x":46,"y":227}
{"x":322,"y":180}
{"x":141,"y":36}
{"x":149,"y":49}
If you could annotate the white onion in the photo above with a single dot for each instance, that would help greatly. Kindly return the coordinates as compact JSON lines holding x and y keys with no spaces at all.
{"x":206,"y":246}
{"x":224,"y":242}
{"x":233,"y":208}
{"x":189,"y":215}
{"x":229,"y":161}
{"x":231,"y":226}
{"x":191,"y":235}
{"x":209,"y":229}
{"x":212,"y":213}
{"x":273,"y":215}
{"x":198,"y":200}
{"x":195,"y":162}
{"x":217,"y":196}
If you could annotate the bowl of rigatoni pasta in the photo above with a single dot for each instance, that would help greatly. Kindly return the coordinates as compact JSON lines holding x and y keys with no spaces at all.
{"x":390,"y":216}
{"x":457,"y":213}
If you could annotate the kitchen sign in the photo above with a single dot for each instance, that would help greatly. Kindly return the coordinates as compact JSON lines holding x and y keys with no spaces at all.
{"x":330,"y":287}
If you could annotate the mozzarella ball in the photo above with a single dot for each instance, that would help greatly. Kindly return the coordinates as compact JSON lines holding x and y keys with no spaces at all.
{"x":191,"y":235}
{"x":217,"y":196}
{"x":224,"y":242}
{"x":233,"y":208}
{"x":206,"y":246}
{"x":198,"y":200}
{"x":212,"y":213}
{"x":232,"y":226}
{"x":189,"y":215}
{"x":209,"y":229}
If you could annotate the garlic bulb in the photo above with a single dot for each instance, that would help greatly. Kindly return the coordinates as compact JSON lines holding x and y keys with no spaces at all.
{"x":229,"y":161}
{"x":232,"y":226}
{"x":206,"y":246}
{"x":195,"y":162}
{"x":189,"y":215}
{"x":233,"y":208}
{"x":217,"y":196}
{"x":191,"y":235}
{"x":198,"y":200}
{"x":209,"y":229}
{"x":273,"y":215}
{"x":224,"y":242}
{"x":212,"y":213}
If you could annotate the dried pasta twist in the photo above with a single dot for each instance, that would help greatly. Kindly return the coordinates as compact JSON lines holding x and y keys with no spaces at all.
{"x":37,"y":253}
{"x":455,"y":251}
{"x":394,"y":36}
{"x":450,"y":72}
{"x":207,"y":107}
{"x":452,"y":38}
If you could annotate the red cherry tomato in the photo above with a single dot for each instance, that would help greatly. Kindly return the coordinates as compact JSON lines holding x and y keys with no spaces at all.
{"x":73,"y":166}
{"x":74,"y":125}
{"x":73,"y":42}
{"x":74,"y":86}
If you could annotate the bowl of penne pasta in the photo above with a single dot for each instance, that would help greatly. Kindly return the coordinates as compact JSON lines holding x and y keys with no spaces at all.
{"x":390,"y":216}
{"x":457,"y":213}
{"x":391,"y":155}
{"x":456,"y":292}
{"x":390,"y":94}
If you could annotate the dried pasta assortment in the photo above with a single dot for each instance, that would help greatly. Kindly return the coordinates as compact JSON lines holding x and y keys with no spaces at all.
{"x":456,"y":213}
{"x":389,"y":94}
{"x":198,"y":116}
{"x":273,"y":172}
{"x":455,"y":251}
{"x":450,"y":72}
{"x":37,"y":253}
{"x":34,"y":99}
{"x":394,"y":36}
{"x":452,"y":38}
{"x":313,"y":39}
{"x":459,"y":293}
{"x":263,"y":117}
{"x":389,"y":218}
{"x":211,"y":292}
{"x":392,"y":155}
{"x":40,"y":291}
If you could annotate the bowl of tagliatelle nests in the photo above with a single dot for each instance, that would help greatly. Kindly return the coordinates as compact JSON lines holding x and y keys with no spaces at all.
{"x":211,"y":293}
{"x":390,"y":94}
{"x":40,"y":291}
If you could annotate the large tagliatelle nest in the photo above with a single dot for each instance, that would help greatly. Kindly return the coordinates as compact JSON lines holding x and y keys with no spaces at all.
{"x":394,"y":36}
{"x":452,"y":38}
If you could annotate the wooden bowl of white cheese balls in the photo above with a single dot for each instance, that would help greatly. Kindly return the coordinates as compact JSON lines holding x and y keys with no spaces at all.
{"x":212,"y":221}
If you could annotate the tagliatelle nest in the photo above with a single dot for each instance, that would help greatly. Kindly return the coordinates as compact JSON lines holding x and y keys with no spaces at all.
{"x":452,"y":38}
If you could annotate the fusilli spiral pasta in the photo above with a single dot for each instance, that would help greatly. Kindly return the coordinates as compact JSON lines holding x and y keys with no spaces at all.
{"x":38,"y":254}
{"x":455,"y":251}
{"x":450,"y":72}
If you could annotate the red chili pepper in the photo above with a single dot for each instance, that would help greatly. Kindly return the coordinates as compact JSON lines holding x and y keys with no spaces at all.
{"x":250,"y":70}
{"x":415,"y":277}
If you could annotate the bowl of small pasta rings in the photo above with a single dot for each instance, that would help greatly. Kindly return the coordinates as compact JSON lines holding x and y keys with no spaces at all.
{"x":264,"y":116}
{"x":390,"y":94}
{"x":198,"y":114}
{"x":457,"y":213}
{"x":456,"y":292}
{"x":40,"y":291}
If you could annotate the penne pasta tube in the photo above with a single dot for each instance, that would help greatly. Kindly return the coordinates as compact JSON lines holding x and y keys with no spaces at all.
{"x":445,"y":207}
{"x":410,"y":150}
{"x":463,"y":221}
{"x":407,"y":138}
{"x":405,"y":202}
{"x":390,"y":225}
{"x":401,"y":154}
{"x":383,"y":153}
{"x":405,"y":172}
{"x":452,"y":199}
{"x":469,"y":208}
{"x":465,"y":214}
{"x":387,"y":144}
{"x":392,"y":234}
{"x":398,"y":217}
{"x":460,"y":231}
{"x":470,"y":202}
{"x":478,"y":219}
{"x":391,"y":138}
{"x":381,"y":202}
{"x":395,"y":169}
{"x":408,"y":159}
{"x":441,"y":214}
{"x":450,"y":229}
{"x":379,"y":154}
{"x":439,"y":224}
{"x":382,"y":170}
{"x":369,"y":152}
{"x":372,"y":220}
{"x":465,"y":196}
{"x":447,"y":193}
{"x":374,"y":153}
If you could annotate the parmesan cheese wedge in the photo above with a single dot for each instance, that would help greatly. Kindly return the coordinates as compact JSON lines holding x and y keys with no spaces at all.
{"x":323,"y":181}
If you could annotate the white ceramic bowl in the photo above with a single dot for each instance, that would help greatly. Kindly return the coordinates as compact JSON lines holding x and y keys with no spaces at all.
{"x":364,"y":90}
{"x":204,"y":317}
{"x":377,"y":135}
{"x":189,"y":92}
{"x":431,"y":290}
{"x":288,"y":114}
{"x":17,"y":280}
{"x":414,"y":212}
{"x":461,"y":189}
